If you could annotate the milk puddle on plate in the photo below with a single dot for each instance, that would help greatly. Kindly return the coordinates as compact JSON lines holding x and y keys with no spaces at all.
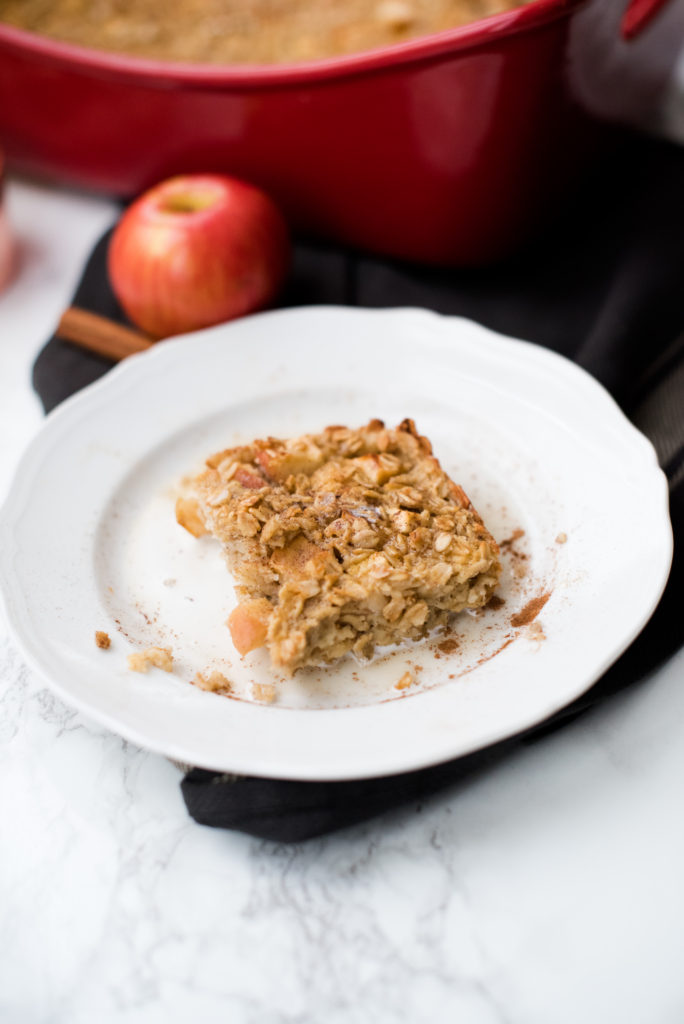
{"x":163,"y":587}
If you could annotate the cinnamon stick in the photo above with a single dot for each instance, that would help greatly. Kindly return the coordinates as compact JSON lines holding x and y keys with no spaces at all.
{"x":100,"y":335}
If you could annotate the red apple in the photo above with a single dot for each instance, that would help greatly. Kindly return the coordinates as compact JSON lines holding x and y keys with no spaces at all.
{"x":196,"y":250}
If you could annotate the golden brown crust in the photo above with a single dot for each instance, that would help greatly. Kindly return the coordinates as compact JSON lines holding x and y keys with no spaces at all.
{"x":343,"y":540}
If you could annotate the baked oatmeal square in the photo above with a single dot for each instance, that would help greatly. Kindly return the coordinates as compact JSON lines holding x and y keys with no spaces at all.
{"x":347,"y":540}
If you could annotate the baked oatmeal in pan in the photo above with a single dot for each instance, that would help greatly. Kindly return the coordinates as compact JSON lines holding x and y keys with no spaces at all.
{"x":242,"y":31}
{"x":341,"y":541}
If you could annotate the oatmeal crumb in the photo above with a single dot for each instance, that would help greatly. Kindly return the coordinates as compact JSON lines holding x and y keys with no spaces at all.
{"x":264,"y":692}
{"x":159,"y":657}
{"x":561,"y":538}
{"x":404,"y":682}
{"x":213,"y":682}
{"x":102,"y":640}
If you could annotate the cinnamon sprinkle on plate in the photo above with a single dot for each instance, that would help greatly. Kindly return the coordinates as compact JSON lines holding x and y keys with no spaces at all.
{"x":530,"y":611}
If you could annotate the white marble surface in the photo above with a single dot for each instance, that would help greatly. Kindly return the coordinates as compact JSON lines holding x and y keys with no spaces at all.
{"x":546,"y":891}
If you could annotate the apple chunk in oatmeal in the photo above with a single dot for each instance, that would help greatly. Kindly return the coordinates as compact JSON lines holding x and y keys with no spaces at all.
{"x":340,"y":541}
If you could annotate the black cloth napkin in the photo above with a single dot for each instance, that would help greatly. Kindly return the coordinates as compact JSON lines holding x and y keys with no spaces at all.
{"x":603,"y":284}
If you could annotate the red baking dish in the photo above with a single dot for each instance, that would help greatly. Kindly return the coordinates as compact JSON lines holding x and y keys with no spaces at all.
{"x":445,"y":149}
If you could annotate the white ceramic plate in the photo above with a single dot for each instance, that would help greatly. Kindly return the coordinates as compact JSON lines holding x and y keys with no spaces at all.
{"x":90,"y":540}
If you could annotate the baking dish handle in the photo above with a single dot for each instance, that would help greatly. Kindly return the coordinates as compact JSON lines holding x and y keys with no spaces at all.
{"x":638,"y":15}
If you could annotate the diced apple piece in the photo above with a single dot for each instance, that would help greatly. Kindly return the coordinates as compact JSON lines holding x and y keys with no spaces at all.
{"x":249,"y":478}
{"x":248,"y":624}
{"x":189,"y":516}
{"x":301,"y":559}
{"x":278,"y":465}
{"x":378,"y":469}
